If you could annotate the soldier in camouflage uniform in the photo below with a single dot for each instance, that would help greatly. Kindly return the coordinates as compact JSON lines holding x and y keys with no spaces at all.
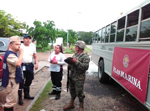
{"x":77,"y":75}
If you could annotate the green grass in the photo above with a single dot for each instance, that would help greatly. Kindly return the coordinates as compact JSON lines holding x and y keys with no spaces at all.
{"x":87,"y":50}
{"x":68,"y":51}
{"x":37,"y":106}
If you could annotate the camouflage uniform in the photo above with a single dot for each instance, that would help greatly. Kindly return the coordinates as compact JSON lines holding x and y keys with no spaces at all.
{"x":77,"y":75}
{"x":77,"y":67}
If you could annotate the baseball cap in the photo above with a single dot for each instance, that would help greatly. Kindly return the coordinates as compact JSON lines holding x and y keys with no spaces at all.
{"x":26,"y":36}
{"x":14,"y":38}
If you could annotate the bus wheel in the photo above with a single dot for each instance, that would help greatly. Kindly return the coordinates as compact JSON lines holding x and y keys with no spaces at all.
{"x":103,"y":77}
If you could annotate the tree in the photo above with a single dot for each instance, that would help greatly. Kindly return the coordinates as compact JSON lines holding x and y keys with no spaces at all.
{"x":43,"y":33}
{"x":85,"y":36}
{"x":63,"y":34}
{"x":72,"y":38}
{"x":51,"y":33}
{"x":9,"y":26}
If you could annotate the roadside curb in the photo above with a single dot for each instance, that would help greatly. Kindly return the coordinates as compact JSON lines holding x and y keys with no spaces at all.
{"x":36,"y":97}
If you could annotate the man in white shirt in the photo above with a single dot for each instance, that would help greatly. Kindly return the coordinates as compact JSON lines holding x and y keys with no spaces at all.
{"x":27,"y":65}
{"x":33,"y":43}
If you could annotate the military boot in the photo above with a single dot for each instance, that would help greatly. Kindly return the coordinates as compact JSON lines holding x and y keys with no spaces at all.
{"x":26,"y":93}
{"x":81,"y":107}
{"x":69,"y":106}
{"x":52,"y":93}
{"x":20,"y":101}
{"x":57,"y":95}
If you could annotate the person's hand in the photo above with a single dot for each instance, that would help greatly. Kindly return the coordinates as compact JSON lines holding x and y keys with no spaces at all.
{"x":36,"y":66}
{"x":51,"y":61}
{"x":74,"y":60}
{"x":21,"y":50}
{"x":54,"y":61}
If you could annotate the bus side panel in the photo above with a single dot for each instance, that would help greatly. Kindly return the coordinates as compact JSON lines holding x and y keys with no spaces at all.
{"x":107,"y":55}
{"x":95,"y":57}
{"x":95,"y":53}
{"x":148,"y":93}
{"x":108,"y":66}
{"x":104,"y":52}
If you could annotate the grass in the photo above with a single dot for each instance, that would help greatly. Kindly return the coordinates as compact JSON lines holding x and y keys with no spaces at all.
{"x":68,"y":51}
{"x":87,"y":50}
{"x":37,"y":106}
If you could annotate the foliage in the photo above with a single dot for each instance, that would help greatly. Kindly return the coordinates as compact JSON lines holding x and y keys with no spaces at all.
{"x":37,"y":106}
{"x":85,"y":36}
{"x":63,"y":34}
{"x":40,"y":49}
{"x":43,"y":33}
{"x":72,"y":37}
{"x":9,"y":26}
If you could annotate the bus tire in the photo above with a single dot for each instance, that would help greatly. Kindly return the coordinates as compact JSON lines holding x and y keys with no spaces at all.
{"x":103,"y":77}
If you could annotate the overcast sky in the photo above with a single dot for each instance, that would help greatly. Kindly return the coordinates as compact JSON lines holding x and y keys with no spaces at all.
{"x":79,"y":15}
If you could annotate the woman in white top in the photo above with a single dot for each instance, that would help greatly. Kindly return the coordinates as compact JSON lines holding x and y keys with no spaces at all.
{"x":56,"y":60}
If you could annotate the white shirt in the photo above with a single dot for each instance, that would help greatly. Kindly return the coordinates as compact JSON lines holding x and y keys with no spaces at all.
{"x":60,"y":61}
{"x":28,"y":53}
{"x":32,"y":44}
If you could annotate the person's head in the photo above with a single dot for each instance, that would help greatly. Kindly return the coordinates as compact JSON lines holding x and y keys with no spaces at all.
{"x":14,"y":43}
{"x":80,"y":45}
{"x":34,"y":41}
{"x":58,"y":49}
{"x":27,"y":40}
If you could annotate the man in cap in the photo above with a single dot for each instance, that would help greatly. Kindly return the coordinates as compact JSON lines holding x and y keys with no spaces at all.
{"x":28,"y":66}
{"x":78,"y":66}
{"x":12,"y":72}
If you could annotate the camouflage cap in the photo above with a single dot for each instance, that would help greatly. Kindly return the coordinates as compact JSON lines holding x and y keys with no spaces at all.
{"x":80,"y":44}
{"x":14,"y":38}
{"x":69,"y":60}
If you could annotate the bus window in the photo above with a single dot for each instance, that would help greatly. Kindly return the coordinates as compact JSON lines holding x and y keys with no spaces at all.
{"x":107,"y":33}
{"x":113,"y":31}
{"x":145,"y":24}
{"x":132,"y":25}
{"x":120,"y":32}
{"x":100,"y":36}
{"x":103,"y":34}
